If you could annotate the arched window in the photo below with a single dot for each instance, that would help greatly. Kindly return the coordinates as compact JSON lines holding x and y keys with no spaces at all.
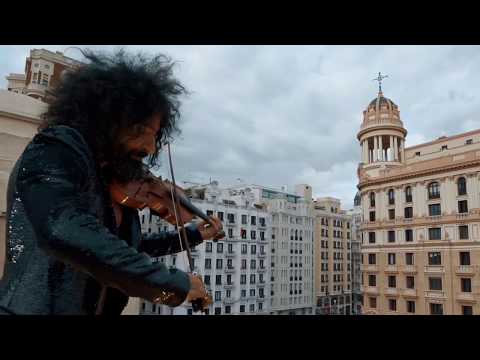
{"x":462,"y":186}
{"x":372,"y":199}
{"x":408,"y":194}
{"x":433,"y":190}
{"x":391,"y":197}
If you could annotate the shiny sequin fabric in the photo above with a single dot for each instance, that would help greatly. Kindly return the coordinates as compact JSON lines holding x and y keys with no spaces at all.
{"x":63,"y":245}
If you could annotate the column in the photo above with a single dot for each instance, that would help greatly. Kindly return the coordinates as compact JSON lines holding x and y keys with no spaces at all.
{"x":402,"y":157}
{"x":375,"y":148}
{"x":395,"y":149}
{"x":365,"y":151}
{"x":381,"y":148}
{"x":390,"y":146}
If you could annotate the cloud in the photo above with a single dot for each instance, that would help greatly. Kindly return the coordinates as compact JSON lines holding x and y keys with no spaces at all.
{"x":281,"y":115}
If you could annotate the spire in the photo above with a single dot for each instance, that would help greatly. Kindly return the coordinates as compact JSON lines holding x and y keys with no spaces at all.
{"x":379,"y":78}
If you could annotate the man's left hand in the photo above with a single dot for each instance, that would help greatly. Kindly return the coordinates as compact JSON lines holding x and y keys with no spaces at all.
{"x":208,"y":231}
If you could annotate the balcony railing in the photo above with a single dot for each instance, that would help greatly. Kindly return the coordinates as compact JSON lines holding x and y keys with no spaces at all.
{"x":371,"y":268}
{"x":466,"y":297}
{"x":391,"y":291}
{"x":229,"y":269}
{"x":434,"y":269}
{"x":262,"y":254}
{"x":370,"y":290}
{"x":229,"y":285}
{"x":435,"y":294}
{"x":228,"y":300}
{"x":409,"y":292}
{"x":391,"y":269}
{"x":409,"y":269}
{"x":262,"y":269}
{"x":230,"y":254}
{"x":465,"y":270}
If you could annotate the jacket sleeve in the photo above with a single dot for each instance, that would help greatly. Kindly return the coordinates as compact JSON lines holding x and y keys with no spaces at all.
{"x":165,"y":243}
{"x":52,"y":184}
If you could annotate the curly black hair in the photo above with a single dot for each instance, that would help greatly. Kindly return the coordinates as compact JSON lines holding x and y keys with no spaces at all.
{"x":114,"y":91}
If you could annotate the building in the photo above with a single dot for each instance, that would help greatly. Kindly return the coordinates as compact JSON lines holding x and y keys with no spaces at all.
{"x":292,"y":246}
{"x":19,"y":120}
{"x":356,"y":255}
{"x":236,"y":270}
{"x":43,"y":72}
{"x":333,"y":278}
{"x":421,"y":211}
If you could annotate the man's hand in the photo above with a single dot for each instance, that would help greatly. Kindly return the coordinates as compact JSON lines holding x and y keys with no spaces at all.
{"x":208,"y":231}
{"x":198,"y":291}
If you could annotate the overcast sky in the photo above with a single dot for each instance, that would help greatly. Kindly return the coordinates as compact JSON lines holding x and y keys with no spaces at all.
{"x":283,"y":115}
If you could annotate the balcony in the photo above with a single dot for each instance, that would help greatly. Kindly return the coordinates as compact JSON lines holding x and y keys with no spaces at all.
{"x":465,"y":270}
{"x":262,"y":225}
{"x":466,"y":297}
{"x":391,"y":269}
{"x":370,"y":290}
{"x":228,"y":301}
{"x":391,"y":291}
{"x":229,"y":285}
{"x":230,"y":269}
{"x":262,"y":269}
{"x":434,"y":269}
{"x":409,"y":269}
{"x":230,"y":254}
{"x":369,"y":268}
{"x":409,"y":292}
{"x":434,"y":294}
{"x":262,"y":255}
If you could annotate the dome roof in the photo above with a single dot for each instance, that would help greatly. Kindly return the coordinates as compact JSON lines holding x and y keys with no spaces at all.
{"x":358,"y":199}
{"x":382,"y":100}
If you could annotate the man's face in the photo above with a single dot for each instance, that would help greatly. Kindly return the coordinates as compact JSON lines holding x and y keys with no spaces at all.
{"x":132,"y":147}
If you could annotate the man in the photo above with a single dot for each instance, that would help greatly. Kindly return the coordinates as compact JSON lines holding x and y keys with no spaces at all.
{"x":70,"y":248}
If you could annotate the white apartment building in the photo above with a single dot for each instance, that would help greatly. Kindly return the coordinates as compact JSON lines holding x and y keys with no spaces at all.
{"x":356,"y":255}
{"x":236,"y":269}
{"x":292,"y":238}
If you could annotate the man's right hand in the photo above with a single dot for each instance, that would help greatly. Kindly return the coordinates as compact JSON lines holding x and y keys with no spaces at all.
{"x":197,"y":290}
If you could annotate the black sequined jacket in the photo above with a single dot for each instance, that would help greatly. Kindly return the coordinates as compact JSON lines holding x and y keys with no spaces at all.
{"x":63,"y":245}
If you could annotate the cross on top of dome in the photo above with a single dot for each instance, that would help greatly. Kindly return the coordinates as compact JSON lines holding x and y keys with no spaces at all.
{"x":379,"y":78}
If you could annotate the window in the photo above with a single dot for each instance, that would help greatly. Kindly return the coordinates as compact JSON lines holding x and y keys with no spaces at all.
{"x":392,"y":304}
{"x":253,"y":234}
{"x":243,"y":293}
{"x":231,"y":218}
{"x":444,"y":147}
{"x":253,"y":264}
{"x":209,"y":212}
{"x":260,"y":306}
{"x":253,"y":249}
{"x":253,"y":220}
{"x":436,"y":309}
{"x":372,"y":260}
{"x":244,"y":219}
{"x":244,"y":264}
{"x":228,"y":309}
{"x":243,"y":279}
{"x":230,"y":232}
{"x":462,"y":186}
{"x":391,"y":259}
{"x":409,"y":260}
{"x":243,"y":233}
{"x":208,"y":263}
{"x":434,"y":233}
{"x":372,"y":199}
{"x":434,"y":258}
{"x":371,"y":238}
{"x":410,"y":282}
{"x":244,"y":248}
{"x":409,"y":235}
{"x":391,"y":236}
{"x":252,"y":279}
{"x":218,"y":280}
{"x":408,"y":212}
{"x":220,"y":248}
{"x":261,"y":221}
{"x":435,"y":283}
{"x":469,"y":142}
{"x":391,"y":214}
{"x":252,"y":307}
{"x":373,"y":302}
{"x":218,"y":296}
{"x":229,"y":280}
{"x":242,"y":308}
{"x":219,"y":263}
{"x":391,"y":197}
{"x":208,"y":246}
{"x":465,"y":258}
{"x":392,"y":281}
{"x":252,"y":292}
{"x":220,"y":215}
{"x":467,"y":310}
{"x":463,"y":232}
{"x":466,"y":284}
{"x":408,"y":194}
{"x":433,"y":190}
{"x":417,"y":153}
{"x":372,"y":215}
{"x":463,"y":206}
{"x":372,"y":280}
{"x":230,"y":248}
{"x":410,"y":306}
{"x":434,"y":210}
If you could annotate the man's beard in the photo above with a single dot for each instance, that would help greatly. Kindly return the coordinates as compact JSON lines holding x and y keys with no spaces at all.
{"x":123,"y":168}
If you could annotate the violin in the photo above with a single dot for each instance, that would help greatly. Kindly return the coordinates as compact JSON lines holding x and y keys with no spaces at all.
{"x":167,"y":201}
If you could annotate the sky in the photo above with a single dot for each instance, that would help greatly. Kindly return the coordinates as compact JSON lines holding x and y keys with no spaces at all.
{"x":285,"y":115}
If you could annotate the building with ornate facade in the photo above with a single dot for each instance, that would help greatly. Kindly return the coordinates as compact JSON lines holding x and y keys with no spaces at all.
{"x":421,"y":218}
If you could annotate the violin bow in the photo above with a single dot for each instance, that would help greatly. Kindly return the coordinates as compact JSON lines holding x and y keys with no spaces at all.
{"x":196,"y":304}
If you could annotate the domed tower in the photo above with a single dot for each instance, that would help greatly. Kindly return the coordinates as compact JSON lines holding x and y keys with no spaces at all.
{"x":382,"y":135}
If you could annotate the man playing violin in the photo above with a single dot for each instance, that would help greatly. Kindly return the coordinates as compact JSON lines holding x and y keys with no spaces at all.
{"x":71,"y":248}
